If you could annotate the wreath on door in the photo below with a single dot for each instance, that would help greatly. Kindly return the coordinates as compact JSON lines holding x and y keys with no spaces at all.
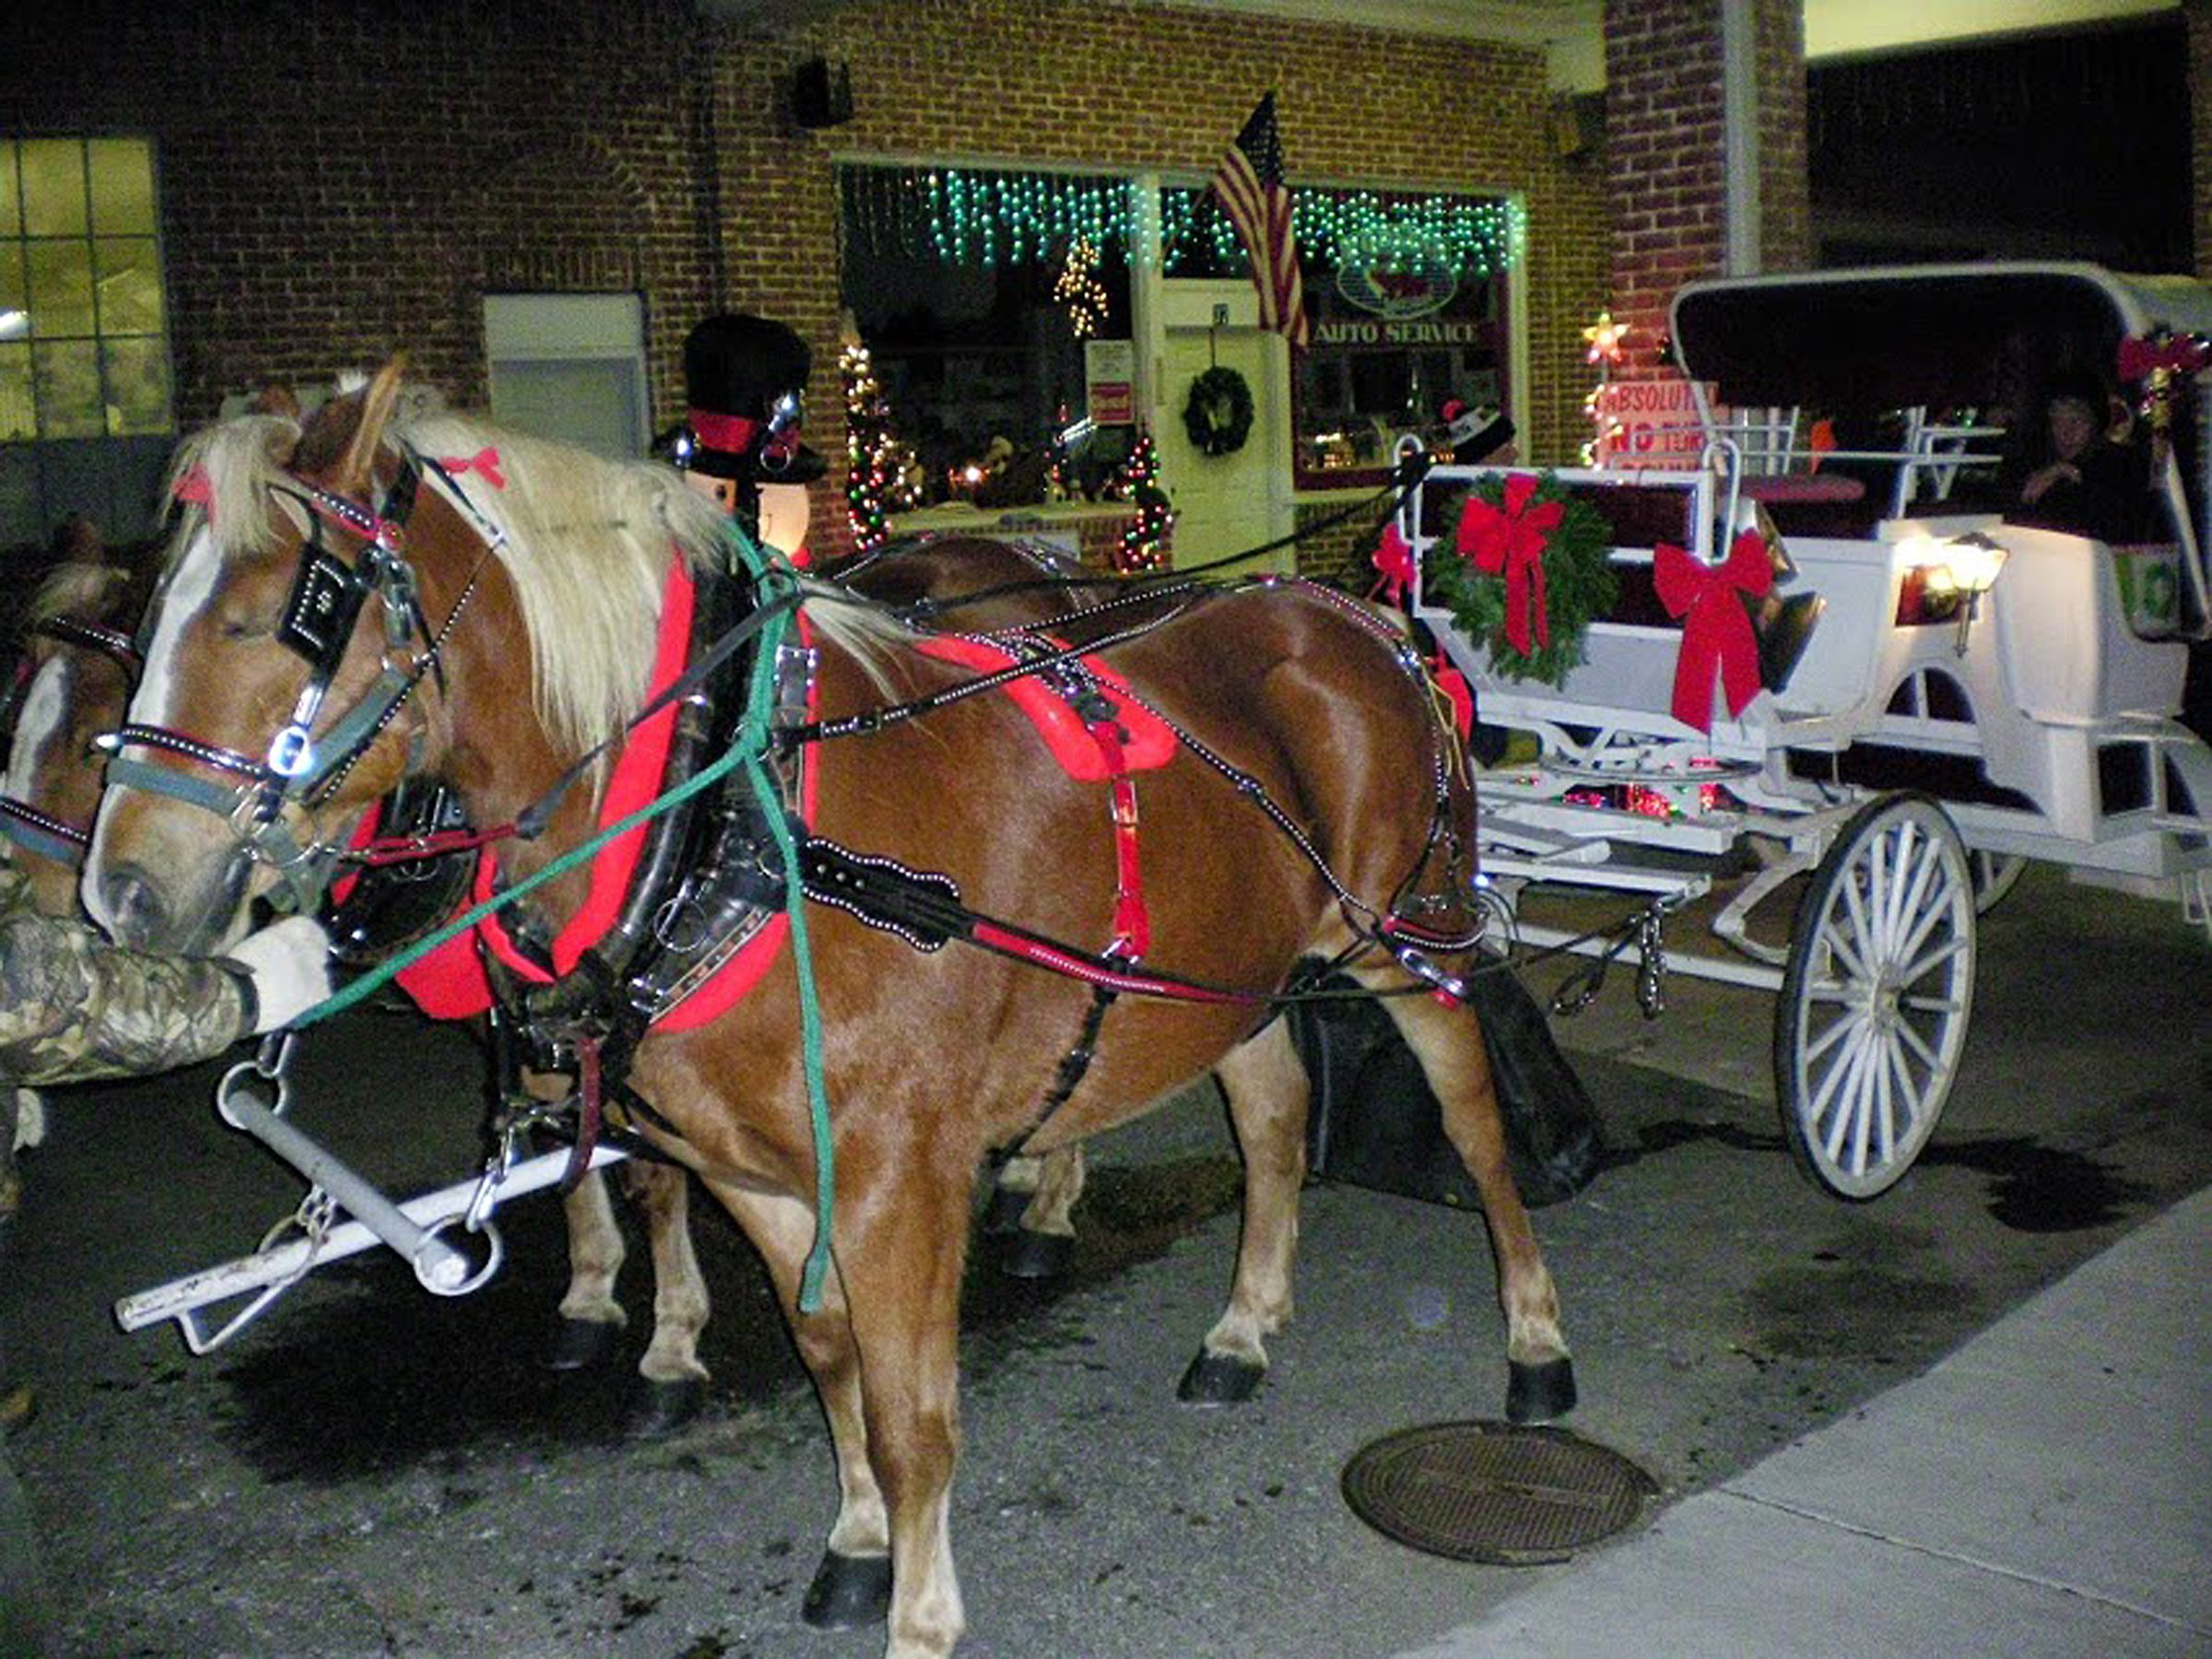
{"x":1218,"y":415}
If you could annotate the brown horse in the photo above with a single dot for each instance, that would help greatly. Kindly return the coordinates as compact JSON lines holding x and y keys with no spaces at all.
{"x":77,"y":668}
{"x":1307,"y":804}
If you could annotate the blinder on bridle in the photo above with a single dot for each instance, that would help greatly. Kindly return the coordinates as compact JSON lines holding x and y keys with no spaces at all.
{"x":30,"y":827}
{"x":317,"y":623}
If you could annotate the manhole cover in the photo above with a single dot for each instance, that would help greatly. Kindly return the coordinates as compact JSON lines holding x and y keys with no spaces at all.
{"x":1492,"y":1492}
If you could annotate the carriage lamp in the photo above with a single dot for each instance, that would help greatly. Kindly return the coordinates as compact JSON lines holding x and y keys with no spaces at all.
{"x":1944,"y":582}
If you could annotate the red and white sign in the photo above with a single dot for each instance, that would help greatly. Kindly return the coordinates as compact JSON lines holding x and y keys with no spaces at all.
{"x":1109,"y":381}
{"x":1648,"y":423}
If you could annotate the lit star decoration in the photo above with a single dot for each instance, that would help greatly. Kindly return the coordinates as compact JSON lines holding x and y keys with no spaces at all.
{"x":1145,"y":543}
{"x":1608,"y":343}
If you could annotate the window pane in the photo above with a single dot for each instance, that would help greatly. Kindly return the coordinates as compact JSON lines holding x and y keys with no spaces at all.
{"x":54,"y":186}
{"x":17,"y":417}
{"x":123,"y":186}
{"x":129,"y":285}
{"x":11,"y":199}
{"x":12,"y":297}
{"x":60,"y":289}
{"x":137,"y":377}
{"x":67,"y":377}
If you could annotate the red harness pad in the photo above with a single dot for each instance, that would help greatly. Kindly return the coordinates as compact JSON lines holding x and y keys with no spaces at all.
{"x":1148,"y":741}
{"x":450,"y":982}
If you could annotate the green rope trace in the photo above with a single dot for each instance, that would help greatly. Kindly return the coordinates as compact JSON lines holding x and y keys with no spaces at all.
{"x":750,"y":751}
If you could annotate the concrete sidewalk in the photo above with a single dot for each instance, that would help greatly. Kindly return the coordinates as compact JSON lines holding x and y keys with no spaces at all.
{"x":2044,"y":1490}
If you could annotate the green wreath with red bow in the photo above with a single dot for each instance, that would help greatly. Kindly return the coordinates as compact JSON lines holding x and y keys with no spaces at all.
{"x":1525,"y":572}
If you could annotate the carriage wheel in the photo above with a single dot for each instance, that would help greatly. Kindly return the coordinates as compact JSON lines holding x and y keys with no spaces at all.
{"x":1996,"y":875}
{"x":1876,"y":996}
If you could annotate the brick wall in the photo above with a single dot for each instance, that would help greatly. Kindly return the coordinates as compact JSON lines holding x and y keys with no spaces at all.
{"x":344,"y":180}
{"x":1667,"y":155}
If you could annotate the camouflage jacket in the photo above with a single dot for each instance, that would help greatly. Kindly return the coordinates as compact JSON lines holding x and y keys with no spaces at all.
{"x":74,"y":1006}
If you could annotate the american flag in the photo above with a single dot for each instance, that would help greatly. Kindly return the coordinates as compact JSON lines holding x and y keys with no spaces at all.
{"x":1250,"y":182}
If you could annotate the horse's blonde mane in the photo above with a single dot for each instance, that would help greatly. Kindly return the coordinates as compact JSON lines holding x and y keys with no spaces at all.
{"x":82,"y":588}
{"x":585,"y":542}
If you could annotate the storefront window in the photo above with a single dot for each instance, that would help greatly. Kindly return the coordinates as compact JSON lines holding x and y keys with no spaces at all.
{"x":83,"y":335}
{"x":1407,"y":295}
{"x":981,"y":297}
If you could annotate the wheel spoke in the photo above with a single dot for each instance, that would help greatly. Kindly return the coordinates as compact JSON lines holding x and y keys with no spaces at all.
{"x":1837,"y":1029}
{"x":1915,"y":916}
{"x":1943,"y":903}
{"x":1832,"y":935}
{"x":1920,"y":969}
{"x":1847,"y":1111}
{"x":1914,"y":1041}
{"x":1901,"y":862}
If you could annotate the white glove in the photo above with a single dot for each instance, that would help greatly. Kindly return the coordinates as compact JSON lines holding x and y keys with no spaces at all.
{"x":290,"y":965}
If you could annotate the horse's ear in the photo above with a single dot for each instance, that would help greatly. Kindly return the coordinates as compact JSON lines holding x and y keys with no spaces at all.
{"x":277,"y":399}
{"x":357,"y":468}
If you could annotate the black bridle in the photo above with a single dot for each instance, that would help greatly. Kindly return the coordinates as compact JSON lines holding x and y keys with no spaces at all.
{"x":328,"y":595}
{"x":31,"y":828}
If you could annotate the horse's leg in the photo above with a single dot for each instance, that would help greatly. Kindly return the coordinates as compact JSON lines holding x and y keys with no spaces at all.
{"x":591,"y":1319}
{"x":1267,"y":1094}
{"x":675,"y":1382}
{"x":1448,"y":1042}
{"x":853,"y":1584}
{"x":1031,"y":1213}
{"x":901,"y":1265}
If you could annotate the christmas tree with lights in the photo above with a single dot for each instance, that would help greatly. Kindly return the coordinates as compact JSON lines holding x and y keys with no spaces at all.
{"x":876,"y":462}
{"x":1145,"y":543}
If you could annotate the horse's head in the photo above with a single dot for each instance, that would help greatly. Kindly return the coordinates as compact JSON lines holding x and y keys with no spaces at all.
{"x":73,"y":676}
{"x":281,"y":650}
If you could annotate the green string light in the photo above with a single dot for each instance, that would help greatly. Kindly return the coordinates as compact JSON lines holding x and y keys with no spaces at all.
{"x":970,"y":216}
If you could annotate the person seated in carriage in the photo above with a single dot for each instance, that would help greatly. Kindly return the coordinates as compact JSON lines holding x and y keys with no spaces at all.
{"x":744,"y":381}
{"x":2082,"y":471}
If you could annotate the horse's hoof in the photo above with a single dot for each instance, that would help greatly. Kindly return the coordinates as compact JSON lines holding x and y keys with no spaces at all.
{"x":1004,"y":1213}
{"x":662,"y":1409}
{"x":1024,"y":1255}
{"x":581,"y":1344}
{"x":848,"y":1592}
{"x":1538,"y":1393}
{"x":1219,"y":1379}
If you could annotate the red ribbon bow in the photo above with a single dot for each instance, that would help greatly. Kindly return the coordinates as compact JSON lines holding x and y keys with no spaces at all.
{"x":485,"y":463}
{"x":1394,"y":561}
{"x":1716,"y":629}
{"x":195,"y":488}
{"x":1510,"y":540}
{"x":2142,"y":356}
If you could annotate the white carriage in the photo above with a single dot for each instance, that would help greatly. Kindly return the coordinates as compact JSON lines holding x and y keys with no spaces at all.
{"x":1945,"y":693}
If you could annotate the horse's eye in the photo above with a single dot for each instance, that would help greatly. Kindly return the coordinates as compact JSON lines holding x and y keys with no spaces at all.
{"x":246,"y":625}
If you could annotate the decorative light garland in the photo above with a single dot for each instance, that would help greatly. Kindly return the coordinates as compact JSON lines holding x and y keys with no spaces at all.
{"x":879,"y":466}
{"x":966,"y":216}
{"x":1144,"y":545}
{"x":1078,"y":288}
{"x":1376,"y":230}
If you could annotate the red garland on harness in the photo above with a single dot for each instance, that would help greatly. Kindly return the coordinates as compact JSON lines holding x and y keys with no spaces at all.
{"x":1510,"y":540}
{"x":1716,"y":628}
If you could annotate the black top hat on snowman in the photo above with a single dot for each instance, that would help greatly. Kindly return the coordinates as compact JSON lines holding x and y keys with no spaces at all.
{"x":743,"y":380}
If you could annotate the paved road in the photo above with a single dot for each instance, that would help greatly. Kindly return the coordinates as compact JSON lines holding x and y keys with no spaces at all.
{"x":373,"y":1471}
